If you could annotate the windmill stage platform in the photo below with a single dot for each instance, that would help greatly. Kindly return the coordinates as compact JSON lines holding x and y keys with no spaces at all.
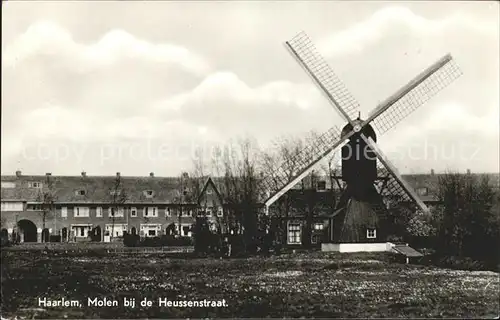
{"x":404,"y":249}
{"x":358,"y":247}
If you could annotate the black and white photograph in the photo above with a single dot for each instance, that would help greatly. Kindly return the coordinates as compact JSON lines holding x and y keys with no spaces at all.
{"x":250,"y":159}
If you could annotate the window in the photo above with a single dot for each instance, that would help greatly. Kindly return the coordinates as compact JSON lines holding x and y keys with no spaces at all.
{"x":185,"y":230}
{"x":149,"y":193}
{"x":33,"y":184}
{"x":116,"y":212}
{"x":371,"y":233}
{"x":81,"y":231}
{"x":315,"y":238}
{"x":34,"y":207}
{"x":220,"y":212}
{"x":150,"y":212}
{"x":117,"y":229}
{"x":150,"y":230}
{"x":8,"y":185}
{"x":318,"y":226}
{"x":98,"y":212}
{"x":321,"y":185}
{"x":167,"y":212}
{"x":422,"y":191}
{"x":81,"y":212}
{"x":80,"y":192}
{"x":208,"y":212}
{"x":12,"y":206}
{"x":294,"y":233}
{"x":64,"y":212}
{"x":133,"y":212}
{"x":209,"y":191}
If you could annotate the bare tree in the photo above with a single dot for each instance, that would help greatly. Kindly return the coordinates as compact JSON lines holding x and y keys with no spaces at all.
{"x":47,"y":198}
{"x":182,"y":197}
{"x":237,"y":164}
{"x":285,"y":153}
{"x":118,"y":199}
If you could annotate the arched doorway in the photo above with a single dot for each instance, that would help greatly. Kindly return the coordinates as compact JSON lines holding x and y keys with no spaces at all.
{"x":133,"y":231}
{"x":170,"y":229}
{"x":45,"y":235}
{"x":64,"y":234}
{"x":96,"y":234}
{"x":28,"y":230}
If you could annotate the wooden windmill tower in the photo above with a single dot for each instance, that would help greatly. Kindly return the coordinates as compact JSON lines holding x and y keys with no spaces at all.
{"x":358,"y":213}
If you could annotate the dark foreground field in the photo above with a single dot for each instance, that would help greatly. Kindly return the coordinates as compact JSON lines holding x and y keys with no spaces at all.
{"x":294,"y":285}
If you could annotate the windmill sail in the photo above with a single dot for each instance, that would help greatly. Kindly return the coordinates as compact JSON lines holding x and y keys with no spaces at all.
{"x":285,"y":177}
{"x":414,"y":94}
{"x":315,"y":65}
{"x":396,"y":185}
{"x":418,"y":91}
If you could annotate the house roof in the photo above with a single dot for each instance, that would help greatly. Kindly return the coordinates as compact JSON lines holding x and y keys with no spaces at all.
{"x":97,"y":188}
{"x":165,"y":189}
{"x":208,"y":183}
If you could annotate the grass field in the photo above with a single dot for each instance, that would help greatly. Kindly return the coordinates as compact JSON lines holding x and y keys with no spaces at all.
{"x":291,"y":285}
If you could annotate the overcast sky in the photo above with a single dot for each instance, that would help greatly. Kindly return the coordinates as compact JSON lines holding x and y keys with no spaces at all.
{"x":135,"y":87}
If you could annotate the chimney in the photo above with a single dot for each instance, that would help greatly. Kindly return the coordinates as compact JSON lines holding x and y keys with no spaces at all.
{"x":84,"y":174}
{"x":118,"y":174}
{"x":468,"y":171}
{"x":18,"y":173}
{"x":432,"y":172}
{"x":151,"y":174}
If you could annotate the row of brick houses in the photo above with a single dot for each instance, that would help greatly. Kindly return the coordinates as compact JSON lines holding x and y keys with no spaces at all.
{"x":86,"y":207}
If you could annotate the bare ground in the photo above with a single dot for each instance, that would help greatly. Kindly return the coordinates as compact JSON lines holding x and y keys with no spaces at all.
{"x":291,"y":285}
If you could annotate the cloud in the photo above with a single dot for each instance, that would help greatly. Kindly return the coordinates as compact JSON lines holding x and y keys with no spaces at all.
{"x":46,"y":37}
{"x":122,"y":91}
{"x":451,"y":138}
{"x":225,"y":88}
{"x":398,"y":20}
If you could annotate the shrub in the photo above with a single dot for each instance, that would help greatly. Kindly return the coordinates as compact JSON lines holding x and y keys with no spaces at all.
{"x":469,"y":223}
{"x":131,"y":240}
{"x":55,"y":238}
{"x":202,"y":235}
{"x":453,"y":262}
{"x":169,"y":240}
{"x":4,"y":242}
{"x":163,"y":241}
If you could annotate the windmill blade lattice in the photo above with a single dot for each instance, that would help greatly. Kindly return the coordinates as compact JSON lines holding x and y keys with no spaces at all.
{"x":417,"y":96}
{"x":391,"y":188}
{"x":323,"y":75}
{"x":393,"y":194}
{"x":405,"y":187}
{"x":301,"y":163}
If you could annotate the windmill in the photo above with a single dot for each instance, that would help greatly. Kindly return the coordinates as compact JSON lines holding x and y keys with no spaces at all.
{"x":369,"y":176}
